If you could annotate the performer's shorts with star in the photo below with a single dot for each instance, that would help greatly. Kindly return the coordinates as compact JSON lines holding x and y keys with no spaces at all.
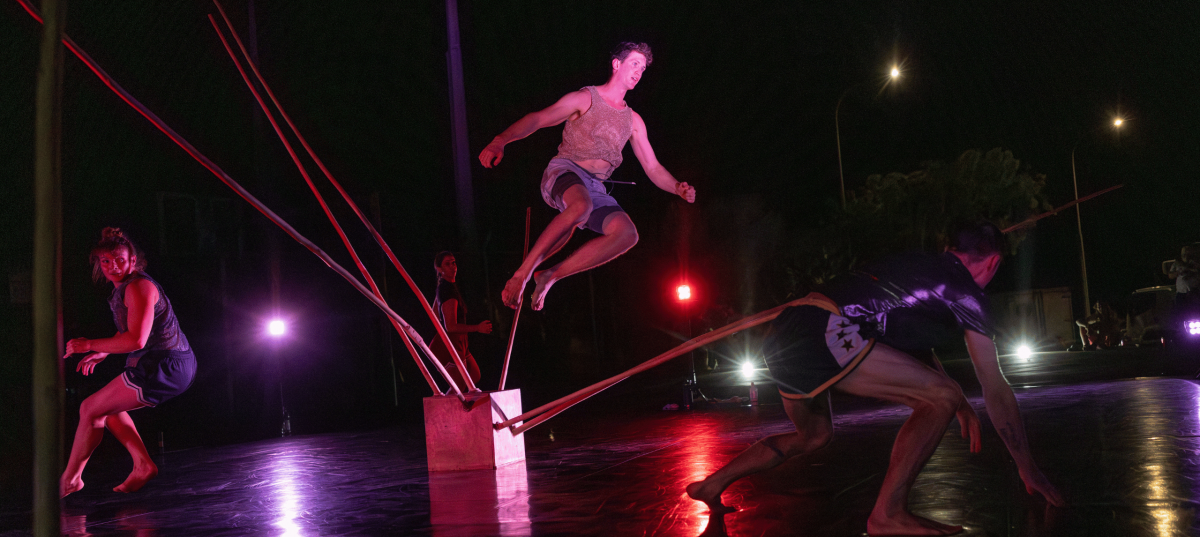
{"x":811,"y":347}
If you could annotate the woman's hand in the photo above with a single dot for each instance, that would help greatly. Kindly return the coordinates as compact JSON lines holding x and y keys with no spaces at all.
{"x":77,"y":346}
{"x":484,"y":327}
{"x":88,"y":363}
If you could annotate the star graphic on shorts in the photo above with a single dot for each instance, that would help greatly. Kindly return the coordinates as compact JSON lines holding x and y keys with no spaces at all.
{"x":847,"y":345}
{"x":842,"y":334}
{"x":843,"y":324}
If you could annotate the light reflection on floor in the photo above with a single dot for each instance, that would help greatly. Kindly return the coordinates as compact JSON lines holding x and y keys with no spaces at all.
{"x":1126,"y":455}
{"x":287,"y":499}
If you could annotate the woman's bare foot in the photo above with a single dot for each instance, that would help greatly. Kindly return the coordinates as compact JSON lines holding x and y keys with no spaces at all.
{"x":543,"y":281}
{"x":138,"y":477}
{"x":908,"y":524}
{"x":511,"y":295}
{"x":697,"y":491}
{"x":69,"y":486}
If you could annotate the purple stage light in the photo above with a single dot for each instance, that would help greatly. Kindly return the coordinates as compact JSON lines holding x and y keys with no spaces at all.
{"x":276,"y":327}
{"x":1193,"y":327}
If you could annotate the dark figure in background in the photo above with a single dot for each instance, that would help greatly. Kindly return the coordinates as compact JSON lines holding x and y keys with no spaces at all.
{"x":160,"y":364}
{"x":1186,"y":273}
{"x":831,"y":343}
{"x":1101,"y":329}
{"x":448,"y":305}
{"x":599,"y":123}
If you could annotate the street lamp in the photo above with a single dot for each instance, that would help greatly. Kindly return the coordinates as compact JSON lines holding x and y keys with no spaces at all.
{"x":893,"y":75}
{"x":1117,"y":123}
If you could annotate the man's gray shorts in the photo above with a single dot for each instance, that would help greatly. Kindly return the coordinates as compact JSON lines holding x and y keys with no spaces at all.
{"x":562,"y":174}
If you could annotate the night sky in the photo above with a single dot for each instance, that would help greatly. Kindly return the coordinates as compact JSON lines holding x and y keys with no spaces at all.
{"x":739,"y":102}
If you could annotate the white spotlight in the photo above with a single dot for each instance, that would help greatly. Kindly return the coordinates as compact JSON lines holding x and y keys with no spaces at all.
{"x":747,"y":369}
{"x":1024,"y":352}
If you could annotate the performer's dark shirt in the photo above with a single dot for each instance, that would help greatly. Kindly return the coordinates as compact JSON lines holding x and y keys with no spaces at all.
{"x":164,"y":328}
{"x":447,"y":291}
{"x":913,"y":301}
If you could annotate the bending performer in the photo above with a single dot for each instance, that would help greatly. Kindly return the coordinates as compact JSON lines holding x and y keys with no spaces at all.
{"x":831,"y":342}
{"x":448,"y":305}
{"x":160,"y":364}
{"x":598,"y":123}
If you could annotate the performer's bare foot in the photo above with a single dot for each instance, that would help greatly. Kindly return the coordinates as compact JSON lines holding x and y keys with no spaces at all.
{"x":511,"y":295}
{"x":69,"y":486}
{"x":542,"y":280}
{"x":697,"y":491}
{"x":138,"y":477}
{"x":908,"y":524}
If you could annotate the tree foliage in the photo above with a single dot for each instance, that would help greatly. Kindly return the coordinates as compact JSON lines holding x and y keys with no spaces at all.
{"x":903,"y":212}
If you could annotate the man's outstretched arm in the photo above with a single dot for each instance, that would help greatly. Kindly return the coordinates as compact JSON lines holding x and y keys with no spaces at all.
{"x":655,"y":171}
{"x":1006,"y":415}
{"x":576,"y":102}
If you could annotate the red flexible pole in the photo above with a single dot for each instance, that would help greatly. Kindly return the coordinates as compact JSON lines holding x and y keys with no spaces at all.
{"x":470,"y":385}
{"x":551,"y":409}
{"x":512,"y":335}
{"x":218,"y":172}
{"x":328,"y":214}
{"x":1029,"y":221}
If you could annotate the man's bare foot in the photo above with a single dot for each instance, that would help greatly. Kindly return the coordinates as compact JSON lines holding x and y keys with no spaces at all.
{"x":698,"y":492}
{"x":542,"y":281}
{"x":138,"y":477}
{"x":511,"y":295}
{"x":69,"y":486}
{"x":908,"y":524}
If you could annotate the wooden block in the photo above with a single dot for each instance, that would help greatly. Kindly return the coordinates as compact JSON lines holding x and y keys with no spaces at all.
{"x":458,"y":438}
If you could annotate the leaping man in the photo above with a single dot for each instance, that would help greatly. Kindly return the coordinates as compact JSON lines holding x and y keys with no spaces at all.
{"x":598,"y":123}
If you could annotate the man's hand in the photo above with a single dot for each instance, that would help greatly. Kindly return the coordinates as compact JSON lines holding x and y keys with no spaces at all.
{"x":88,"y":363}
{"x":685,"y":191}
{"x":492,"y":154}
{"x":1035,"y":481}
{"x":969,"y":422}
{"x":484,"y":328}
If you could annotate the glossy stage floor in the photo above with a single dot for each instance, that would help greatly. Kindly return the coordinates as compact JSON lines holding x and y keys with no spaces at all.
{"x":1126,"y":453}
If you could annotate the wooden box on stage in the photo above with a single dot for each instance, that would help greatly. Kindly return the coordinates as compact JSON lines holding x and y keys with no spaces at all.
{"x":458,"y":438}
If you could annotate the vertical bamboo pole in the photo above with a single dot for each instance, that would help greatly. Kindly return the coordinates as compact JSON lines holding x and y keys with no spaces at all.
{"x":516,"y":316}
{"x":47,"y":276}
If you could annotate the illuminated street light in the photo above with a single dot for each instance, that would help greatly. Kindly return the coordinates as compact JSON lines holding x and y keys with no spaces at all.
{"x":837,"y":131}
{"x":1087,"y":303}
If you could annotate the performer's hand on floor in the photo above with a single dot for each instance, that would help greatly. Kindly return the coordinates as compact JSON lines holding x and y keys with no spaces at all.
{"x":968,"y":420}
{"x":89,"y":361}
{"x":492,"y":154}
{"x":1035,"y":481}
{"x":686,"y":192}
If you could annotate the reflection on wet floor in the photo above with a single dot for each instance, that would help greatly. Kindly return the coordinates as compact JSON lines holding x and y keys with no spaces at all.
{"x":1125,"y":453}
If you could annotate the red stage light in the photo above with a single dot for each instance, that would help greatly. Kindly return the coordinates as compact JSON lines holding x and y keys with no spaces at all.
{"x":683,"y":292}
